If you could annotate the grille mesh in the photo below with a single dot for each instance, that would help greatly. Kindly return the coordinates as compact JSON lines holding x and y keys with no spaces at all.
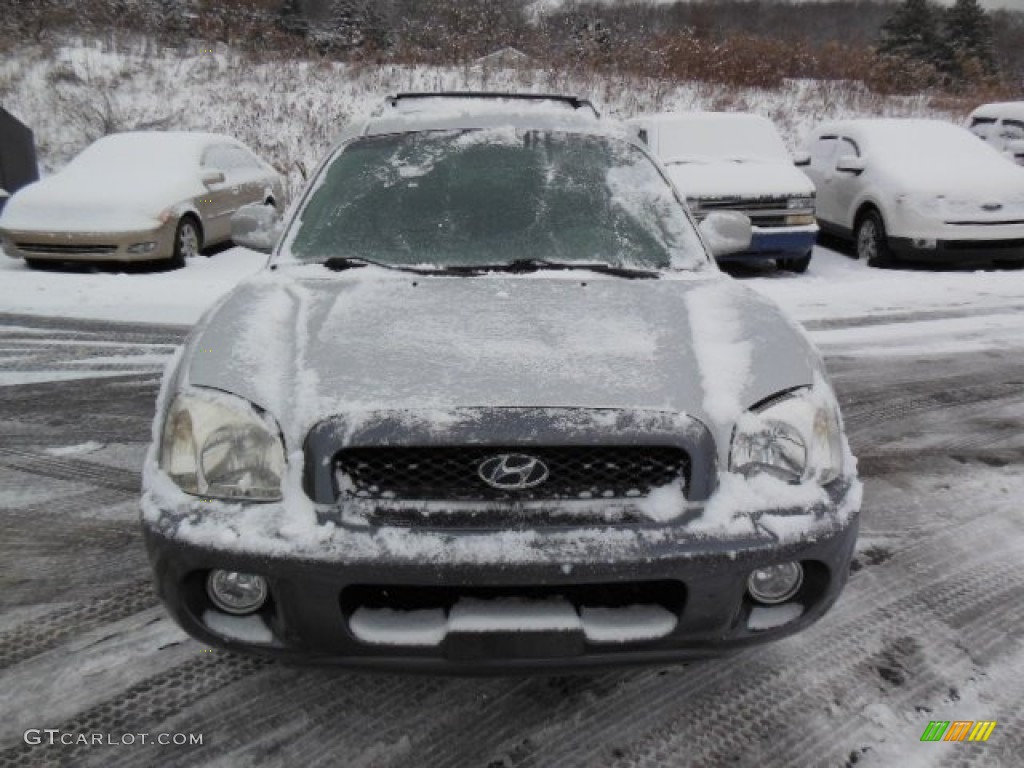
{"x":451,"y":473}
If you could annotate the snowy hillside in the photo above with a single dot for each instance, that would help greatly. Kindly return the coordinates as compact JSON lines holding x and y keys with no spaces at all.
{"x":290,"y":111}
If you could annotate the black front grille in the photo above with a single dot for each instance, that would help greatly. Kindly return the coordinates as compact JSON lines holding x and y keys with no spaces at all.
{"x":61,"y":248}
{"x":744,"y":204}
{"x":451,"y":473}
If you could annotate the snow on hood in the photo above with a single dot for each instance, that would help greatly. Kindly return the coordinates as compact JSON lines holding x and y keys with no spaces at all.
{"x":307,"y":344}
{"x":746,"y":179}
{"x":72,"y":203}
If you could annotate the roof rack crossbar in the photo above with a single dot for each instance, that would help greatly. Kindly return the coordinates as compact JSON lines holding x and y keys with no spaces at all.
{"x":574,"y":101}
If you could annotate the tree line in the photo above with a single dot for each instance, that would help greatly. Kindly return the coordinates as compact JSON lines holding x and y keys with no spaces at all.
{"x":914,"y":44}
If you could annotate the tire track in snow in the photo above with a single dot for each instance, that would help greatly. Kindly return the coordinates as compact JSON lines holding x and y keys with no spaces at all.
{"x":51,"y":630}
{"x":138,"y":707}
{"x":75,"y":470}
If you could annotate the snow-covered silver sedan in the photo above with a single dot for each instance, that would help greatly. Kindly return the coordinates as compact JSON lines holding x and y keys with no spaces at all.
{"x":151,"y":196}
{"x":492,"y":407}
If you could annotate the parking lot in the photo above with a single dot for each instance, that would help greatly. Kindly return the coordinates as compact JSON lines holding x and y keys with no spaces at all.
{"x":928,"y":628}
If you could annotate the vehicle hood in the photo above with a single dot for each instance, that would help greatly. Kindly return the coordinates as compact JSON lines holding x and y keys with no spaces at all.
{"x":76,"y":202}
{"x":367,"y":340}
{"x":747,"y":179}
{"x":964,"y":190}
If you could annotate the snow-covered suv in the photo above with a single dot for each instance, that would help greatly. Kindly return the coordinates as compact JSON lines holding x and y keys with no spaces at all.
{"x":923,"y":190}
{"x":491,"y":407}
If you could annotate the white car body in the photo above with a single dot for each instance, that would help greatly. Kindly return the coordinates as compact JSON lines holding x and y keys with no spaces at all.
{"x":1002,"y":125}
{"x":738,"y":161}
{"x":935,"y":192}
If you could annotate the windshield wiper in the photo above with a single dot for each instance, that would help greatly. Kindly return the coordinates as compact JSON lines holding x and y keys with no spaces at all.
{"x":341,"y":263}
{"x":525,"y":266}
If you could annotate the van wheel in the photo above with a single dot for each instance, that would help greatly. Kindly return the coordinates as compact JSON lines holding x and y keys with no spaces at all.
{"x":797,"y":264}
{"x":871,"y":240}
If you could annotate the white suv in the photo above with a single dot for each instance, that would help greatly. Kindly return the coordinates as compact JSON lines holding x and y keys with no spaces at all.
{"x":1001,"y":125}
{"x":922,"y":190}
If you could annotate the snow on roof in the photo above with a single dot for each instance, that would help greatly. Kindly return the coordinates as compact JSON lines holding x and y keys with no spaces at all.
{"x":507,"y":53}
{"x":731,"y":135}
{"x":1011,"y":109}
{"x":455,"y":113}
{"x":145,"y":148}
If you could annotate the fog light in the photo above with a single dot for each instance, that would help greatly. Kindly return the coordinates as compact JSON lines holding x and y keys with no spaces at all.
{"x":924,"y":242}
{"x":776,"y":583}
{"x":236,"y":593}
{"x":141,"y":247}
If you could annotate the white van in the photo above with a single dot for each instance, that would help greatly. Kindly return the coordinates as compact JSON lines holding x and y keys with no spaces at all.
{"x":1002,"y":125}
{"x":737,"y":161}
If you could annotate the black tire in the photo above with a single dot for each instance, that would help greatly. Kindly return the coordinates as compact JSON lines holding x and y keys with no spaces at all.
{"x":41,"y":264}
{"x":796,"y":264}
{"x":871,"y":242}
{"x":188,"y":242}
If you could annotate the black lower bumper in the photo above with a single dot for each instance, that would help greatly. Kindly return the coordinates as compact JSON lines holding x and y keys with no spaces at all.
{"x":958,"y":251}
{"x":704,"y":585}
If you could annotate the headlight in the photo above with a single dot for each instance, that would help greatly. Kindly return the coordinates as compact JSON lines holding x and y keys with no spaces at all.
{"x":929,"y":206}
{"x":221,"y":447}
{"x":800,"y":202}
{"x":796,"y":438}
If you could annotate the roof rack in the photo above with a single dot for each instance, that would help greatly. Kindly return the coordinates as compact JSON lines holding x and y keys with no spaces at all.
{"x":573,"y":101}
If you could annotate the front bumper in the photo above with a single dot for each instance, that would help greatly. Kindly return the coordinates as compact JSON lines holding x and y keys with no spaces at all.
{"x":700,"y":580}
{"x":776,"y":242}
{"x":958,"y":251}
{"x":90,"y":246}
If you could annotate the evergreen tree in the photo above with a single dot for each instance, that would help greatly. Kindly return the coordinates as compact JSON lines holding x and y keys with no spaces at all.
{"x":912,"y":32}
{"x":345,"y":24}
{"x":291,"y":19}
{"x":969,"y":35}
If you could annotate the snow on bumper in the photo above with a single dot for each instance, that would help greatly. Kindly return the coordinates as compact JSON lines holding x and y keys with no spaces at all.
{"x":401,"y":596}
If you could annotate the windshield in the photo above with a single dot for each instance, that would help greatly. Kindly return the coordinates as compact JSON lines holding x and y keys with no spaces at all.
{"x":919,"y":143}
{"x":721,"y":137}
{"x":490,"y":197}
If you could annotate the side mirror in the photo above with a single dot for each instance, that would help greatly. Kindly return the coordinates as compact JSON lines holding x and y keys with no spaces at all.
{"x":801,"y":159}
{"x":257,"y":227}
{"x":212,"y":177}
{"x":851,"y":164}
{"x":727,"y":232}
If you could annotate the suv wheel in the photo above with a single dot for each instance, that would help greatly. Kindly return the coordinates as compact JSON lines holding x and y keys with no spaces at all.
{"x":871,"y":241}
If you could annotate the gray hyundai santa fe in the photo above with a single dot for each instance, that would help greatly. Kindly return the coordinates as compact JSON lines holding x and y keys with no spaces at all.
{"x":492,"y":407}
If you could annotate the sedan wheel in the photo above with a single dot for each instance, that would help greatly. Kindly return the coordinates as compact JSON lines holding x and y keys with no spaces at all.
{"x":186,"y":242}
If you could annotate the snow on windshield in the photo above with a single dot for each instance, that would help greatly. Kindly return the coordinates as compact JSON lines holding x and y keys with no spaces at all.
{"x":927,"y":143}
{"x":172,"y":154}
{"x":485,"y":197}
{"x":712,"y":137}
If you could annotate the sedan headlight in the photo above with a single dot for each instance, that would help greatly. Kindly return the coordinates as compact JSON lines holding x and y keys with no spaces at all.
{"x":796,"y":203}
{"x":221,"y":447}
{"x":796,"y":437}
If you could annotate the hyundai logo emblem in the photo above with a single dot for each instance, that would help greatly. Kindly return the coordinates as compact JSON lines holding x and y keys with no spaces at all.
{"x":513,"y":471}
